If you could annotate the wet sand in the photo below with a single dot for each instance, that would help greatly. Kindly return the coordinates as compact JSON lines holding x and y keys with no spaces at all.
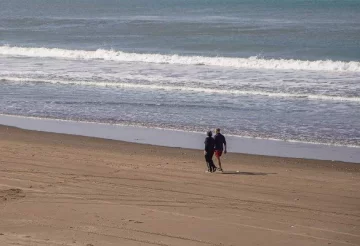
{"x":58,"y":189}
{"x":184,"y":139}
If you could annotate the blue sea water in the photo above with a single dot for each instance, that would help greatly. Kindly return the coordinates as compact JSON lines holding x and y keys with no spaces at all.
{"x":278,"y":69}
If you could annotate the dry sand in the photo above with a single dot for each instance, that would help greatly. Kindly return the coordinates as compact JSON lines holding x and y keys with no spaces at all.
{"x":68,"y":190}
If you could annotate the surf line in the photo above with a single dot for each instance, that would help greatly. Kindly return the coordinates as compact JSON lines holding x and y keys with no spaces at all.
{"x":252,"y":62}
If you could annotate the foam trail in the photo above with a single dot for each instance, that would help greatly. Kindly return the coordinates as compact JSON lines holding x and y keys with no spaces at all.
{"x":251,"y":62}
{"x":184,"y":89}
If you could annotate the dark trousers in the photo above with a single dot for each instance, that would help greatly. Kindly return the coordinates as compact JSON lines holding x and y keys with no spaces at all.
{"x":209,"y":161}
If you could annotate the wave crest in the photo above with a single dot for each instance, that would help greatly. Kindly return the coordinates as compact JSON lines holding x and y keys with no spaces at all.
{"x":120,"y":56}
{"x":116,"y":84}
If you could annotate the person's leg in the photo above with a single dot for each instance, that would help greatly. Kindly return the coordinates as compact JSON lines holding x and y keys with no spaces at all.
{"x":212,"y":165}
{"x":219,"y":162}
{"x":217,"y":155}
{"x":208,"y":163}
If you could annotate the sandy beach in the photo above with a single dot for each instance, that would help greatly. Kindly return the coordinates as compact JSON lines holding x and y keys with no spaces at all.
{"x":58,"y":189}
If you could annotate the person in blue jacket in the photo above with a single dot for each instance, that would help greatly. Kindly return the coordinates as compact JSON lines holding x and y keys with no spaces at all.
{"x":220,"y":147}
{"x":209,"y":152}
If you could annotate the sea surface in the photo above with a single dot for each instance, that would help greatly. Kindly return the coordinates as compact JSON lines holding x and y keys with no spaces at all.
{"x":272,"y":69}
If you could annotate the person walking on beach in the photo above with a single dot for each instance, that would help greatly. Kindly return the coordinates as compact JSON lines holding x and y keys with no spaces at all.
{"x":220,"y":143}
{"x":209,"y":152}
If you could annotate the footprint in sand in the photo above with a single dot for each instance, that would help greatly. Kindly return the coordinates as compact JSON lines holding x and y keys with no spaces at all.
{"x":11,"y":194}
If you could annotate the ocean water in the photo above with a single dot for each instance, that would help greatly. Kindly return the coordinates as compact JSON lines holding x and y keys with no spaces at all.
{"x":275,"y":69}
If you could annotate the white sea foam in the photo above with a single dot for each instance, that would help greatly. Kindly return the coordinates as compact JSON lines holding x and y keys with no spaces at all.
{"x":182,"y":88}
{"x":119,"y":56}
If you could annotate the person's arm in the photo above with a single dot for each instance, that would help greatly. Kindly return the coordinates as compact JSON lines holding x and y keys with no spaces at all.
{"x":206,"y":146}
{"x":225,"y":151}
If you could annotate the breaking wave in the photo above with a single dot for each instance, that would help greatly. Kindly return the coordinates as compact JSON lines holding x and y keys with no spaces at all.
{"x":120,"y":56}
{"x":182,"y":89}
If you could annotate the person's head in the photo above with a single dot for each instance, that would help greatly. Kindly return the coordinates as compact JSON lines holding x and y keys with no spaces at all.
{"x":209,"y":133}
{"x":217,"y":130}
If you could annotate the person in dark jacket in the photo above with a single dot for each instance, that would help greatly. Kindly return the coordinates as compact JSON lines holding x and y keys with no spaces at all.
{"x":209,"y":152}
{"x":220,"y":143}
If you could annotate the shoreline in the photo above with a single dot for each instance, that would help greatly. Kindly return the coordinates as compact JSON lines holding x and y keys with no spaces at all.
{"x":183,"y":139}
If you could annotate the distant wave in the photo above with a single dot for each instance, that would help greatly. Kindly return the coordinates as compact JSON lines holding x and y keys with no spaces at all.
{"x":120,"y":56}
{"x":182,"y":88}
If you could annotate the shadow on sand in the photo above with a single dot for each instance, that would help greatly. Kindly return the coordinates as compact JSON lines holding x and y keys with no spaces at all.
{"x":243,"y":173}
